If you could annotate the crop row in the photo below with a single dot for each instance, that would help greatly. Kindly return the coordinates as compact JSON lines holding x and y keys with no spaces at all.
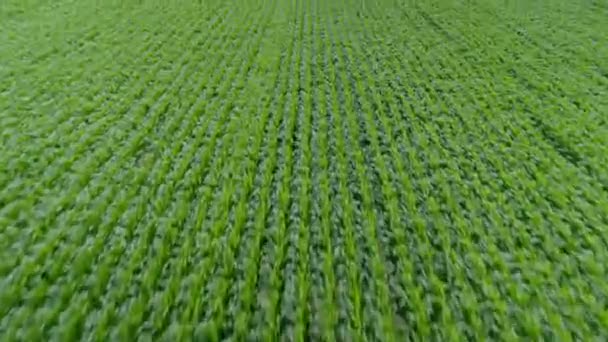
{"x":303,"y":170}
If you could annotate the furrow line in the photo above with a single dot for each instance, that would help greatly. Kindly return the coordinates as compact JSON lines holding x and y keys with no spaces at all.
{"x":323,"y":315}
{"x":351,"y":293}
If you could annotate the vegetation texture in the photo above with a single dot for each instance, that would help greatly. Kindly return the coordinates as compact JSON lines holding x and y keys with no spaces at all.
{"x":303,"y":170}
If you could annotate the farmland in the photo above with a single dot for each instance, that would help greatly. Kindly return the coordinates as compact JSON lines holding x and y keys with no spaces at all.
{"x":303,"y":170}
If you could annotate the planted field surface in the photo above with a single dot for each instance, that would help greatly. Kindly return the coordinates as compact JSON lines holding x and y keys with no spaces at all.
{"x":303,"y":170}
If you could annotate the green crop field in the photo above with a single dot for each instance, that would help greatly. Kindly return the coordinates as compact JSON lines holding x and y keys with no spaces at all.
{"x":303,"y":170}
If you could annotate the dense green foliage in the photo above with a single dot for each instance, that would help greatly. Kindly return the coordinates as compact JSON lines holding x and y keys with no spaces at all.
{"x":303,"y":170}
